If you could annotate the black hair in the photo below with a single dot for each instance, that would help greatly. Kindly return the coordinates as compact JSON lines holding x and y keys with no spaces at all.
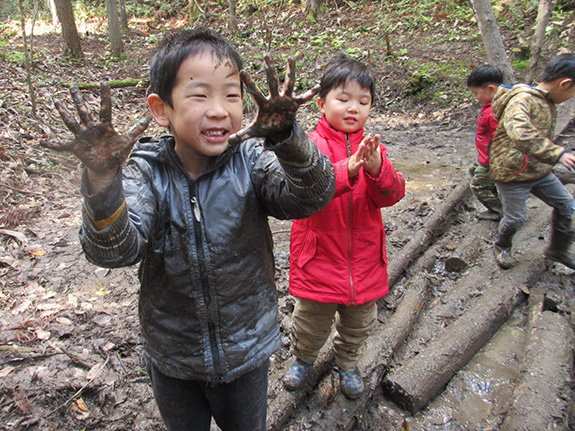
{"x":176,"y":47}
{"x":485,"y":75}
{"x":562,"y":66}
{"x":340,"y":70}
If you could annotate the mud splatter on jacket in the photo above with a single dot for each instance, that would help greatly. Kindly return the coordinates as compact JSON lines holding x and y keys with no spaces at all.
{"x":208,"y":303}
{"x":522,"y":148}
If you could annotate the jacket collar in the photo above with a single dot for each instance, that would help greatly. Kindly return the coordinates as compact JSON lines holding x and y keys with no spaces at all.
{"x":329,"y":133}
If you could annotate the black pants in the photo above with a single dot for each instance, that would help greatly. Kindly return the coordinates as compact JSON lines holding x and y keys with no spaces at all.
{"x":189,"y":405}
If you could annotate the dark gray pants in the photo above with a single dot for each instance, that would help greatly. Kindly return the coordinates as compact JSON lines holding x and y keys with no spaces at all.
{"x":549,"y":189}
{"x":189,"y":405}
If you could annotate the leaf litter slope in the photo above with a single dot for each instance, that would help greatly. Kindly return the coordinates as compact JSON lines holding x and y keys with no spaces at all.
{"x":71,"y":354}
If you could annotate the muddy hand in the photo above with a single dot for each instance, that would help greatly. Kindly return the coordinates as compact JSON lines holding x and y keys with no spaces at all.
{"x":277,"y":112}
{"x":96,"y":143}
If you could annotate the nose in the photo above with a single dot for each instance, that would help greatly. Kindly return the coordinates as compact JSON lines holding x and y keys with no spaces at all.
{"x":217,"y":109}
{"x":353,"y":107}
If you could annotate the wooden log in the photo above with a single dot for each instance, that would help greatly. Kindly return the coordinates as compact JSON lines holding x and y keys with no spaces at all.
{"x":424,"y":376}
{"x":466,"y":252}
{"x":430,"y":229}
{"x":545,"y":389}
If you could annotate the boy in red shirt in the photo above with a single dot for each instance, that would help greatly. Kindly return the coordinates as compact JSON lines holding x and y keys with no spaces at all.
{"x":483,"y":83}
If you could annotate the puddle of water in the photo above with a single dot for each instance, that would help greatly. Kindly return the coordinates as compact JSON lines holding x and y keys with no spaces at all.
{"x":481,"y":391}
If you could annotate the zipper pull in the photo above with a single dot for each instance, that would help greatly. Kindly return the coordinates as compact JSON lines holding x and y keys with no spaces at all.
{"x":196,"y":209}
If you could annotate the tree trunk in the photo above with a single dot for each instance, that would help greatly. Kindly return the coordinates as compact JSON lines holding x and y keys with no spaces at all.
{"x":312,"y":7}
{"x":492,"y":39}
{"x":65,"y":12}
{"x":233,"y":19}
{"x":543,"y":14}
{"x":27,"y":56}
{"x":114,"y":30}
{"x":52,"y":7}
{"x":123,"y":16}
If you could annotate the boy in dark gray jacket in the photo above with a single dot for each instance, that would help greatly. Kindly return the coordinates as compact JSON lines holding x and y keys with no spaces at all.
{"x":193,"y":209}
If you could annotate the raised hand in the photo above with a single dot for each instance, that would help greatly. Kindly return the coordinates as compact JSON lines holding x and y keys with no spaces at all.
{"x":372,"y":156}
{"x":96,"y":143}
{"x":276,"y":112}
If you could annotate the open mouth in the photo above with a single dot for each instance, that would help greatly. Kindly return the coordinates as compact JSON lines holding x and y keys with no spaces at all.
{"x":215,"y":132}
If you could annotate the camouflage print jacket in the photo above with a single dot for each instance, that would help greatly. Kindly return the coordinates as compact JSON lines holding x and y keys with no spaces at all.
{"x":522,"y":148}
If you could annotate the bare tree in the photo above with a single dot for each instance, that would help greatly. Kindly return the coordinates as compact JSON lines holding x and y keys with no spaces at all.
{"x":123,"y":16}
{"x":65,"y":12}
{"x":27,"y":56}
{"x":312,"y":7}
{"x":52,"y":7}
{"x":114,"y":30}
{"x":233,"y":19}
{"x":492,"y":39}
{"x":543,"y":14}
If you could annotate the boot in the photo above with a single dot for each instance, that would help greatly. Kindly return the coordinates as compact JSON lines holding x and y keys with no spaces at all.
{"x":297,"y":374}
{"x":351,"y":383}
{"x":502,"y":250}
{"x":558,"y":250}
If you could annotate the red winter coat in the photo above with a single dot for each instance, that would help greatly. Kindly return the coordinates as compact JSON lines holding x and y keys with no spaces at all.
{"x":338,"y":254}
{"x":486,"y":126}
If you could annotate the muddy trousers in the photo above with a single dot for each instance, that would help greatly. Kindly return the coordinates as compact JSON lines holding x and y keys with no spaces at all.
{"x":189,"y":405}
{"x":312,"y":325}
{"x":483,"y":188}
{"x":549,"y":189}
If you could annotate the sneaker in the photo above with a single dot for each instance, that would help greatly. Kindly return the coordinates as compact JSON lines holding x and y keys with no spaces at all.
{"x":489,"y":215}
{"x":351,"y":383}
{"x":296,"y":374}
{"x":504,"y":258}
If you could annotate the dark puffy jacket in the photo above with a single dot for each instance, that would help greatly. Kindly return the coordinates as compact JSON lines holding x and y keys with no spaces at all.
{"x":208,"y":304}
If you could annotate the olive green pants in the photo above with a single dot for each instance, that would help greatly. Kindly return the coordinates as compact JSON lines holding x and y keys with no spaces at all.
{"x":484,"y":189}
{"x":312,"y":325}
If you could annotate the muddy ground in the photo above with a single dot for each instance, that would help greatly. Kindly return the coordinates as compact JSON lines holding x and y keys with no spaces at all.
{"x":70,"y":351}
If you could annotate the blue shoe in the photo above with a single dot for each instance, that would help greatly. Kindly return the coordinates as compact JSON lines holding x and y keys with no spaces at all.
{"x":296,"y":374}
{"x":351,"y":383}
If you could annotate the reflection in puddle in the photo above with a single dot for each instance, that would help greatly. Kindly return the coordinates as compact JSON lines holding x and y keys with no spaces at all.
{"x":481,"y":391}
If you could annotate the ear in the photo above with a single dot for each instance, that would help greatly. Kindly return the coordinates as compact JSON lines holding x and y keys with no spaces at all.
{"x":159,"y":109}
{"x":321,"y":105}
{"x":566,"y":83}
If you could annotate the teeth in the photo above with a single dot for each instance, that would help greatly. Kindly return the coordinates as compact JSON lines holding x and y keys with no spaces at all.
{"x":214,"y":132}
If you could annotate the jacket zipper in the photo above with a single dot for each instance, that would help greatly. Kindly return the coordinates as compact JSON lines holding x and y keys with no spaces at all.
{"x":204,"y":279}
{"x":349,"y":226}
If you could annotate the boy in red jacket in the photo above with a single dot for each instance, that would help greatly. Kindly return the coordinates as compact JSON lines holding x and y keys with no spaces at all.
{"x":338,"y":261}
{"x":483,"y":81}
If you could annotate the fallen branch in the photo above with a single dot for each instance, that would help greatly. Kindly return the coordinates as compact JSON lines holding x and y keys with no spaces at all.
{"x":120,"y":83}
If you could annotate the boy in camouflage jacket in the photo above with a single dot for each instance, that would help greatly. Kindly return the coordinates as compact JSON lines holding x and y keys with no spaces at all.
{"x":523,"y":154}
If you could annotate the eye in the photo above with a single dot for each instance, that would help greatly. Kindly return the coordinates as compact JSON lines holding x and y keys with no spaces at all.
{"x":198,"y":96}
{"x":234,"y":96}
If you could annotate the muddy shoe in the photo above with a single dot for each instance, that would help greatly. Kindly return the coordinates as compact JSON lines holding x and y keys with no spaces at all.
{"x":504,"y":258}
{"x":561,"y":257}
{"x":351,"y":383}
{"x":296,"y":374}
{"x":489,"y":215}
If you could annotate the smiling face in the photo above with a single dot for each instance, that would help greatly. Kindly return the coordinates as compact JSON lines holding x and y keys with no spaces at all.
{"x":206,"y":109}
{"x":346,"y":107}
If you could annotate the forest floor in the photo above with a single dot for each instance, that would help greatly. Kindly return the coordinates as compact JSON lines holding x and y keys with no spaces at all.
{"x":70,"y":350}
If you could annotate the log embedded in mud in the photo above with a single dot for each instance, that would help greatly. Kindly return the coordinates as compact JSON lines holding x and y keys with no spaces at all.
{"x":432,"y":227}
{"x":424,"y":376}
{"x":541,"y":398}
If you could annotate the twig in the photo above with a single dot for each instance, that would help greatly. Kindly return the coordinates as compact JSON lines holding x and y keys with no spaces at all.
{"x":79,"y":391}
{"x":38,"y":195}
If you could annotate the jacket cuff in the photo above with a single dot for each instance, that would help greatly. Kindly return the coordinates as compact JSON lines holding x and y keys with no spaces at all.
{"x":294,"y":151}
{"x":106,"y":202}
